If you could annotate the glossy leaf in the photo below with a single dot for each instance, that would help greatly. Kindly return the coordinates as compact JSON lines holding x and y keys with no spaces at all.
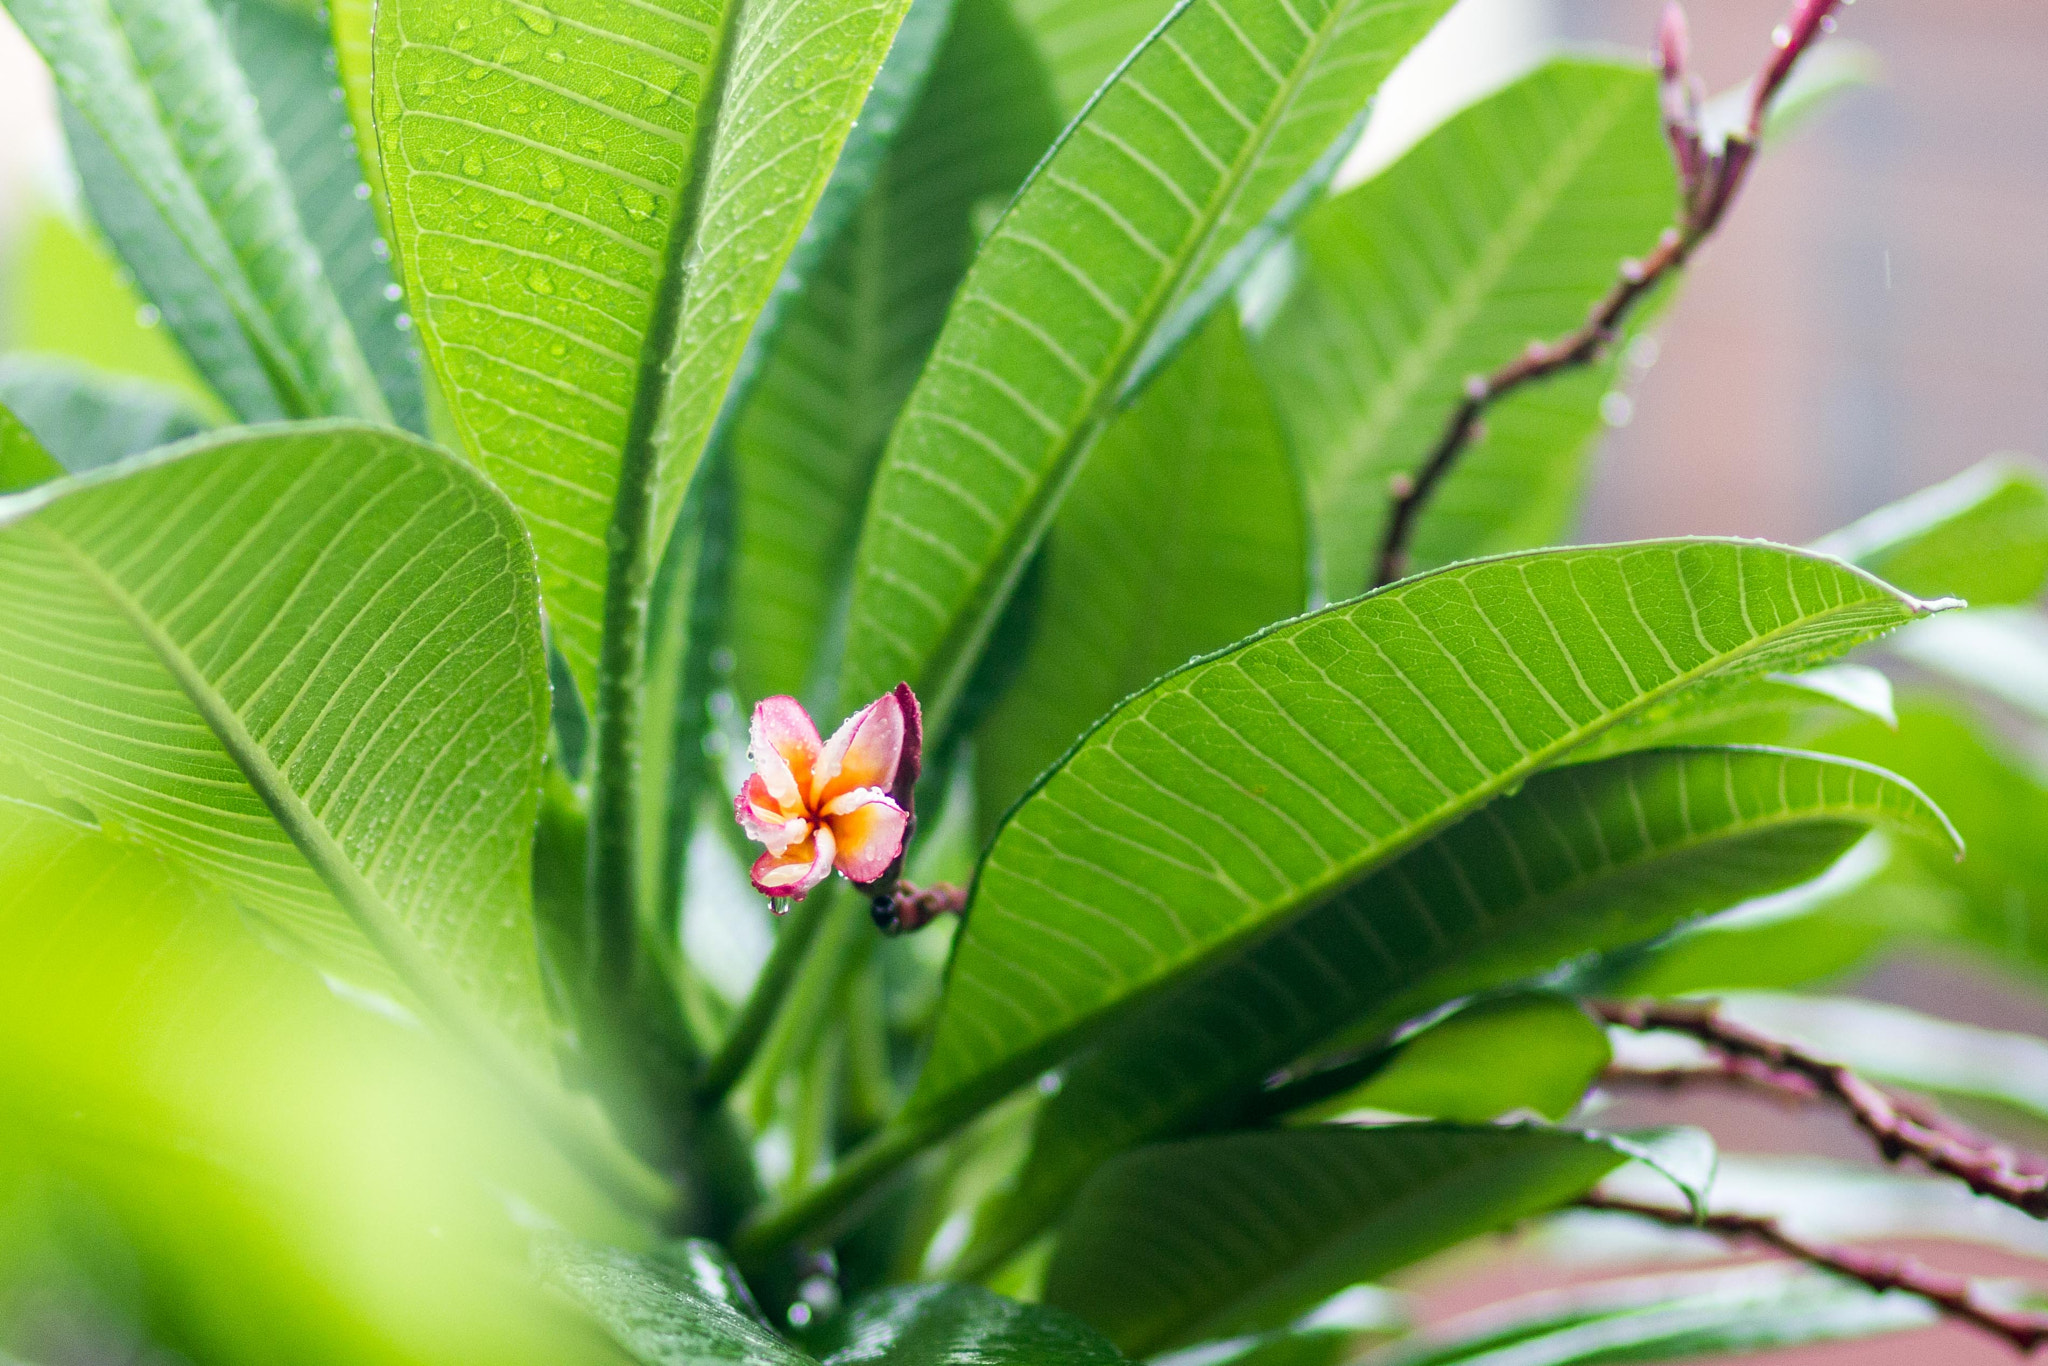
{"x":593,"y":200}
{"x":291,"y":68}
{"x":1184,"y":533}
{"x":1981,"y":536}
{"x":1084,"y":40}
{"x":1584,"y":858}
{"x":659,"y":1312}
{"x":307,"y":664}
{"x":23,"y":461}
{"x":1239,"y":792}
{"x":851,"y":345}
{"x":220,"y":198}
{"x":1681,"y":1317}
{"x":1776,"y":709}
{"x":1535,"y":1053}
{"x":1501,"y":226}
{"x":1215,"y":1237}
{"x":85,"y":419}
{"x":1199,"y":138}
{"x":960,"y":1325}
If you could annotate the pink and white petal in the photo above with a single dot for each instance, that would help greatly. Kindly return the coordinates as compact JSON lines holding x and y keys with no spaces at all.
{"x":869,"y":829}
{"x":796,"y":871}
{"x":764,"y":819}
{"x":863,"y":752}
{"x":783,"y":748}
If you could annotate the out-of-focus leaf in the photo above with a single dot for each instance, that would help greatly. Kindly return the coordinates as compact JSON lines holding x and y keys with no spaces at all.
{"x":1084,"y":40}
{"x":203,"y":192}
{"x":850,"y":347}
{"x":1533,"y":1052}
{"x":959,"y":1325}
{"x":1583,"y":859}
{"x":307,"y":664}
{"x":1239,"y":792}
{"x":1215,"y":1237}
{"x":2003,"y":654}
{"x":1183,"y":533}
{"x":661,"y":1313}
{"x":1203,"y":135}
{"x":1777,"y":709}
{"x":1504,"y":224}
{"x":23,"y":461}
{"x":553,"y":170}
{"x":300,"y":1179}
{"x":1667,"y":1318}
{"x":1981,"y":536}
{"x":86,"y":420}
{"x":292,"y":70}
{"x":349,"y":32}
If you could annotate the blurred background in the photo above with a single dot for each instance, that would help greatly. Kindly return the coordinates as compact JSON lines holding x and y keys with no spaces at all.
{"x":1873,"y":318}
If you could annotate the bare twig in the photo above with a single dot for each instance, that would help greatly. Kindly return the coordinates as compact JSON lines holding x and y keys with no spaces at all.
{"x":1901,"y":1126}
{"x":1709,"y":179}
{"x":1954,"y":1295}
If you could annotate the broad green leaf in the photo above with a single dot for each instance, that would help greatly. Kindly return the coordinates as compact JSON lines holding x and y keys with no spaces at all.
{"x":1199,"y":138}
{"x":1183,"y":533}
{"x":86,"y":419}
{"x":1503,"y":225}
{"x":1532,"y":1052}
{"x":1776,"y":709}
{"x":292,"y":70}
{"x":1585,"y":858}
{"x":23,"y":461}
{"x":1981,"y":536}
{"x":593,"y":200}
{"x":1084,"y":40}
{"x":1243,"y":790}
{"x":1215,"y":1237}
{"x":1679,"y":1317}
{"x":307,"y":664}
{"x":214,"y":183}
{"x":850,"y":347}
{"x":1998,"y":798}
{"x":659,"y":1311}
{"x":959,"y":1325}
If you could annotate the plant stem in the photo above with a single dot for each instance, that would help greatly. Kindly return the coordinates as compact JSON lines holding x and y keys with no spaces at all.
{"x":806,"y":1213}
{"x":757,"y":1016}
{"x":1709,"y":180}
{"x":1954,"y":1295}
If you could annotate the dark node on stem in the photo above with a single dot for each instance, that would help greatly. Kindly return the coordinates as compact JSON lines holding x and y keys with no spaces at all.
{"x":909,"y":909}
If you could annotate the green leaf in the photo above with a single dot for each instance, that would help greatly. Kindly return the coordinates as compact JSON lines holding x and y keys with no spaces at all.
{"x":1503,"y":225}
{"x":660,"y":1311}
{"x":1585,"y":858}
{"x":307,"y":664}
{"x":1982,"y":536}
{"x":960,"y":1325}
{"x":23,"y":461}
{"x":1776,"y":709}
{"x":1220,"y":1236}
{"x":1734,"y":1310}
{"x":292,"y":69}
{"x":214,"y":182}
{"x":850,"y":347}
{"x":1183,"y":533}
{"x":1202,"y":135}
{"x":593,"y":200}
{"x":1534,"y":1052}
{"x":1084,"y":40}
{"x":1239,"y":792}
{"x":349,"y":30}
{"x":86,"y":419}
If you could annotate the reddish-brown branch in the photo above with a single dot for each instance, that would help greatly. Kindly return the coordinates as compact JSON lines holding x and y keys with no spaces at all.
{"x":1954,"y":1295}
{"x":909,"y":908}
{"x":1901,"y":1126}
{"x":1709,"y":179}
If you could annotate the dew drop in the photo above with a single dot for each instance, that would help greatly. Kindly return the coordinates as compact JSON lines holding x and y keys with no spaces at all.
{"x":477,"y":73}
{"x":592,"y":145}
{"x":557,"y":56}
{"x":147,"y":316}
{"x":539,"y":20}
{"x":638,"y":202}
{"x":362,"y":190}
{"x":1617,"y":409}
{"x":559,"y":349}
{"x":551,"y":175}
{"x":473,"y":164}
{"x":392,"y":293}
{"x":540,"y":282}
{"x":1781,"y":36}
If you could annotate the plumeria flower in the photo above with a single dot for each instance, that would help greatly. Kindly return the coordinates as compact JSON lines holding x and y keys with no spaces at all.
{"x":843,"y":803}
